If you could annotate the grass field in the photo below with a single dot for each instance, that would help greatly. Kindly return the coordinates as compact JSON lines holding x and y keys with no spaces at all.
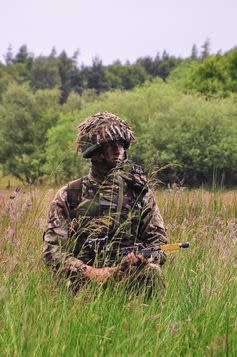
{"x":197,"y":316}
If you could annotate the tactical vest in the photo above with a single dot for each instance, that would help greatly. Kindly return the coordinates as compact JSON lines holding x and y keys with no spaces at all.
{"x":111,"y":209}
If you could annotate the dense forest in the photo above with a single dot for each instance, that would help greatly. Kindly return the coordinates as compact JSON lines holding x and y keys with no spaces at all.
{"x":183,"y":110}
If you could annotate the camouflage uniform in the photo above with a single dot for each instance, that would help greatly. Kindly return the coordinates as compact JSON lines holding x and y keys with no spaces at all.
{"x":119,"y":205}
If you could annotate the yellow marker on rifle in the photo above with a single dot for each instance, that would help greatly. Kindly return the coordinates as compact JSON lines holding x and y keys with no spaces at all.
{"x":174,"y":246}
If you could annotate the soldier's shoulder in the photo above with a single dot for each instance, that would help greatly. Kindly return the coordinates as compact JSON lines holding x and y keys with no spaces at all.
{"x":62,"y":193}
{"x":75,"y":191}
{"x":75,"y":183}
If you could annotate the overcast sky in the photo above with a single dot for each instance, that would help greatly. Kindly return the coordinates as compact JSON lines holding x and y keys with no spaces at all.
{"x":117,"y":29}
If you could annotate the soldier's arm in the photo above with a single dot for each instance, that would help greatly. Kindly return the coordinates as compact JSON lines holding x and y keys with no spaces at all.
{"x":57,"y":252}
{"x":56,"y":237}
{"x":152,"y":228}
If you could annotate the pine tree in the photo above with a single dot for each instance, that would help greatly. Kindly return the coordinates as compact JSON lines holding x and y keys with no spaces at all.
{"x":69,"y":74}
{"x":23,"y":56}
{"x":53,"y":52}
{"x":165,"y":55}
{"x":9,"y":58}
{"x":97,"y":76}
{"x":194,"y":52}
{"x":205,"y":49}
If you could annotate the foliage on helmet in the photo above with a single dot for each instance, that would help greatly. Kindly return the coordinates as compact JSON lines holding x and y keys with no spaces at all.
{"x":102,"y":128}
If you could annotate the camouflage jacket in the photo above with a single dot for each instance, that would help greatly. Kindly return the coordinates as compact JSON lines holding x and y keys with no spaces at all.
{"x":121,"y":207}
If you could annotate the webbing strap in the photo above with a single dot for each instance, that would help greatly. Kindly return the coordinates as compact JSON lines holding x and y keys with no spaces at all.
{"x":74,"y":193}
{"x":120,"y":202}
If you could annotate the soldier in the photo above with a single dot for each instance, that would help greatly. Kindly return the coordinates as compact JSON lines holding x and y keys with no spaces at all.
{"x":112,"y":203}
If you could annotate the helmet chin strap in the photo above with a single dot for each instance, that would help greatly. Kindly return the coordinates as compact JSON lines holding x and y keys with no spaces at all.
{"x":125,"y":155}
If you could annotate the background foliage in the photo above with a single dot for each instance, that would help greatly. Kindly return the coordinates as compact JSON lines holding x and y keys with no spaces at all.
{"x":183,"y":112}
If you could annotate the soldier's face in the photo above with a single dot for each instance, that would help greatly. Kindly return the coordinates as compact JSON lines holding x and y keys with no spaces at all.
{"x":113,"y":153}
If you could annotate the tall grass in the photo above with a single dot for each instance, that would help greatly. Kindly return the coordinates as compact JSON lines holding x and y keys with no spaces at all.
{"x":197,"y":316}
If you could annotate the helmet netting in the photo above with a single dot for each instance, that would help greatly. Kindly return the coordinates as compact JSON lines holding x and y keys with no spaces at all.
{"x":102,"y":128}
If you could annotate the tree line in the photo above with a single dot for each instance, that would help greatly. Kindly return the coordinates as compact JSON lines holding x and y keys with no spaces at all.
{"x":183,"y":112}
{"x":63,"y":72}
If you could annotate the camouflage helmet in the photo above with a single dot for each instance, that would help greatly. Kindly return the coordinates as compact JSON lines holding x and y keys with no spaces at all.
{"x":102,"y":128}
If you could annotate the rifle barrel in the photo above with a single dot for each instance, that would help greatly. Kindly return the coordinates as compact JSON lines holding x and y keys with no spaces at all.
{"x":174,"y":246}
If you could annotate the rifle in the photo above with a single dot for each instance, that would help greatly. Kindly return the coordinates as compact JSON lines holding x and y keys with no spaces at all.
{"x":99,"y":244}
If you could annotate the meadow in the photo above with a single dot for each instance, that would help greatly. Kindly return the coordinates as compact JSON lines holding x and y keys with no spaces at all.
{"x":197,"y":316}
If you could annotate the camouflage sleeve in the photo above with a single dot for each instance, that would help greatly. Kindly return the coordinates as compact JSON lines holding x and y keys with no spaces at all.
{"x":152,"y":224}
{"x":56,"y":237}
